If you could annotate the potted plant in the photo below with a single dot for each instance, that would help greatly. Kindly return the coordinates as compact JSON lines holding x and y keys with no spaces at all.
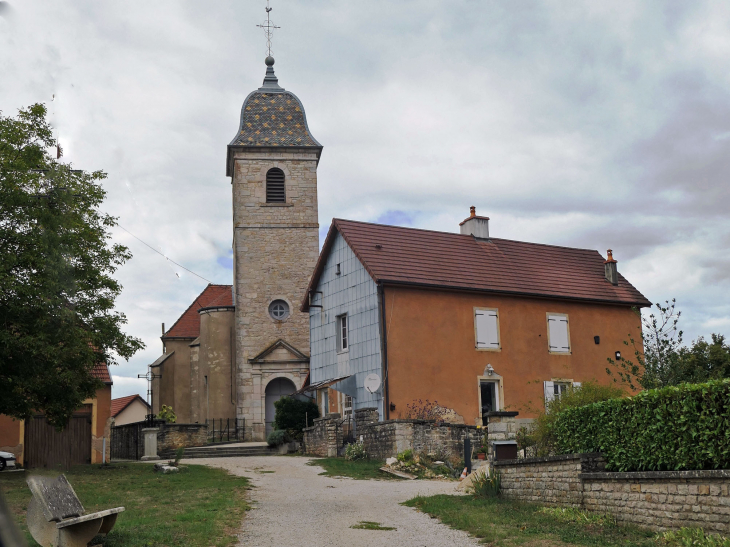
{"x":482,"y":453}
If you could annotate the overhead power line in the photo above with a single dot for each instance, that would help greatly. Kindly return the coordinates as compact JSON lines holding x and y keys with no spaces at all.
{"x":164,"y":256}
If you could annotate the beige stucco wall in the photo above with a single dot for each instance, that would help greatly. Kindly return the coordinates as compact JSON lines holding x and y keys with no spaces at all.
{"x":135,"y":412}
{"x":275,"y":248}
{"x":216,"y":361}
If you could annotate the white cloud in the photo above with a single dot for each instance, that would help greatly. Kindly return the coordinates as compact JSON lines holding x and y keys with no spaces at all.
{"x":585,"y":124}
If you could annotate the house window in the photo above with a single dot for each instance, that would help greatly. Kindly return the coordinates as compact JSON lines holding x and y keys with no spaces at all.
{"x":325,"y":401}
{"x":275,"y":187}
{"x":347,"y":407}
{"x":342,"y":333}
{"x":486,"y":327}
{"x":279,"y":310}
{"x":558,"y":333}
{"x":555,"y":389}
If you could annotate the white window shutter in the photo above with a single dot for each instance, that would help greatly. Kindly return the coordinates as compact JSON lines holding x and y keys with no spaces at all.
{"x":558,"y":329}
{"x":576,"y":384}
{"x":549,"y":392}
{"x":487,"y":331}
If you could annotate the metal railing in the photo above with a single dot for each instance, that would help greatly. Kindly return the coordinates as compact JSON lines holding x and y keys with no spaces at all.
{"x":225,"y":429}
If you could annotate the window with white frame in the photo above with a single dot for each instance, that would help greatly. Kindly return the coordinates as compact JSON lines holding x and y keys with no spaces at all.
{"x":486,"y":327}
{"x":347,"y":407}
{"x":554,"y":389}
{"x":558,"y":333}
{"x":342,"y":338}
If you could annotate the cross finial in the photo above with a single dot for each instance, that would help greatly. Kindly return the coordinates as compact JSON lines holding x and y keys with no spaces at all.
{"x":268,"y":27}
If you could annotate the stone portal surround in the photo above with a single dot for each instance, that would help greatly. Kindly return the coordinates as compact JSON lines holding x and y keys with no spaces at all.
{"x":658,"y":499}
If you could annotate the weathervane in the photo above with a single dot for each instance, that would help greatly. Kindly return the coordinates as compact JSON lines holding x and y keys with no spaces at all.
{"x":268,"y":27}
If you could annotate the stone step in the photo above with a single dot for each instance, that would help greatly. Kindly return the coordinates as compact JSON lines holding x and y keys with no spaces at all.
{"x":220,"y":452}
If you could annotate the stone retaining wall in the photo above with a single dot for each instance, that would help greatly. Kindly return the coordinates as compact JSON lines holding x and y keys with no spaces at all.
{"x":658,"y":500}
{"x":386,"y":439}
{"x":174,"y":436}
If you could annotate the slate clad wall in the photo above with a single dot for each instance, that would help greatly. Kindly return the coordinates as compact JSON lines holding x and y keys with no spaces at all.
{"x":352,"y":292}
{"x":658,"y":500}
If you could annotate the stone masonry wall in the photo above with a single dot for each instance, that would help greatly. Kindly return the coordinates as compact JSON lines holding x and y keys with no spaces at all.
{"x":174,"y":436}
{"x":550,"y":481}
{"x":276,"y":246}
{"x":661,"y":500}
{"x":324,"y":437}
{"x":658,"y":500}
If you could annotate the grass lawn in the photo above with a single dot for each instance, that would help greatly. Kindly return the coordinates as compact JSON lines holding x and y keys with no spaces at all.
{"x":358,"y":469}
{"x":199,"y":506}
{"x":503,"y":523}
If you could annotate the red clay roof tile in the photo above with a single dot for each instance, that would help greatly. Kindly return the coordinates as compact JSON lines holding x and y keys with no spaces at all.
{"x":397,"y":255}
{"x":101,"y":372}
{"x":188,"y":324}
{"x":123,"y":402}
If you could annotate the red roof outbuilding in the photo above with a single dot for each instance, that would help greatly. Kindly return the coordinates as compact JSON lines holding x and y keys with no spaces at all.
{"x":123,"y":402}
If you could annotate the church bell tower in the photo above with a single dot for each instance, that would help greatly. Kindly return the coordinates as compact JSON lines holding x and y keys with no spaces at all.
{"x":272,"y":162}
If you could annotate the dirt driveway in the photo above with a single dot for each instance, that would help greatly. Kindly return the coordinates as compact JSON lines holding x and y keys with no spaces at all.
{"x":293,"y":505}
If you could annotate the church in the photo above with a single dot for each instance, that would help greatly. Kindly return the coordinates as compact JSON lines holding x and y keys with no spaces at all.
{"x":239,"y":348}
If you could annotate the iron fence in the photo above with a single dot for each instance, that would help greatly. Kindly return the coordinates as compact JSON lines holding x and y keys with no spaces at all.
{"x":225,"y":429}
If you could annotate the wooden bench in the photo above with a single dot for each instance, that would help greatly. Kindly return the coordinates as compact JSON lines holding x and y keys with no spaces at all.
{"x":57,"y":518}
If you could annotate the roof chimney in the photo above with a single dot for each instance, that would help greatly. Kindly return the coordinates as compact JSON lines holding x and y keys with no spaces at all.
{"x":611,"y":269}
{"x":474,"y":225}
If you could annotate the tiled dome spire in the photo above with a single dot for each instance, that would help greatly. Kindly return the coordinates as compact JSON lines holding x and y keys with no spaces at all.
{"x":272,"y":116}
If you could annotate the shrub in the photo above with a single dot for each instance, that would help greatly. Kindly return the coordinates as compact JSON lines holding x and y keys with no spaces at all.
{"x":292,"y":415}
{"x":167,"y":414}
{"x":542,"y":433}
{"x":277,"y":437}
{"x":405,"y":456}
{"x":694,"y":537}
{"x":487,"y":486}
{"x":355,"y":451}
{"x":676,"y":427}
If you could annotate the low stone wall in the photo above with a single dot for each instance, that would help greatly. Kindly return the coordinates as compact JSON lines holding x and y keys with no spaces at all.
{"x":173,"y":436}
{"x":324,"y":437}
{"x":386,"y":439}
{"x":659,"y":500}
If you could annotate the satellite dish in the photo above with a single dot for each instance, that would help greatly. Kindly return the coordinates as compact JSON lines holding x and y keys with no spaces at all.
{"x":372,"y":382}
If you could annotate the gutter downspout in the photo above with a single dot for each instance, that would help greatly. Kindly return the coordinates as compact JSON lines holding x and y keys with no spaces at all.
{"x":384,"y":350}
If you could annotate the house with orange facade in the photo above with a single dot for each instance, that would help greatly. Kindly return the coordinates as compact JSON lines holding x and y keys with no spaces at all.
{"x":471,"y":322}
{"x":36,"y":443}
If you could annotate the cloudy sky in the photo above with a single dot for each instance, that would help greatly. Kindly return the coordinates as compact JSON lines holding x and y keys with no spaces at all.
{"x":586,"y":124}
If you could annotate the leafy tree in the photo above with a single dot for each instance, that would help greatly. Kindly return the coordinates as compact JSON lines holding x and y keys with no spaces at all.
{"x":662,"y":360}
{"x":293,"y":415}
{"x":57,"y":317}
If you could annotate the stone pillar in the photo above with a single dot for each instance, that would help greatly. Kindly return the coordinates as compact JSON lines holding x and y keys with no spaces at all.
{"x":150,"y":444}
{"x":363,"y":417}
{"x":501,"y":426}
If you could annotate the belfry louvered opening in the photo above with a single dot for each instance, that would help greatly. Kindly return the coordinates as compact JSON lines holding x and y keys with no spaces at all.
{"x":275,"y":188}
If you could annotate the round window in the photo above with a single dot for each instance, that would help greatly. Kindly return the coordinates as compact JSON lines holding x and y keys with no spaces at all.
{"x":279,"y":310}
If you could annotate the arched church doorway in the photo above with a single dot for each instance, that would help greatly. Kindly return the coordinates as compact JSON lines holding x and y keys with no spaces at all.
{"x":275,"y":390}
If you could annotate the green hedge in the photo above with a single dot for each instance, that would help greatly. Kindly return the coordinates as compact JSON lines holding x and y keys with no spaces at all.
{"x":678,"y":427}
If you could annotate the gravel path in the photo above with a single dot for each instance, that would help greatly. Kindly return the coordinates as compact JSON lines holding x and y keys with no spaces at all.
{"x":295,"y":506}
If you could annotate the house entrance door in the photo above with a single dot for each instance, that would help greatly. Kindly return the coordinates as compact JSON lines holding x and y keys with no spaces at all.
{"x":489,"y":396}
{"x":275,"y":390}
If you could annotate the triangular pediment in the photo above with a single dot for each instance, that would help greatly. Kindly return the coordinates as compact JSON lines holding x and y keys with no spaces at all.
{"x":280,"y":352}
